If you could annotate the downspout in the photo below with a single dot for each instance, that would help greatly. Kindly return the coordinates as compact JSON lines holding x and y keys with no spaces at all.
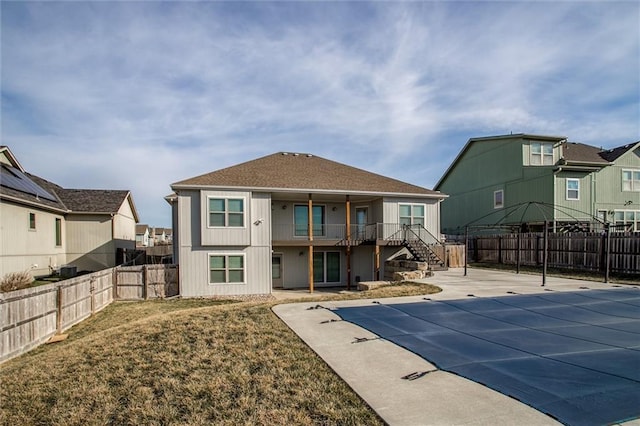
{"x":113,"y":239}
{"x":310,"y":232}
{"x":555,"y":187}
{"x":348,"y":226}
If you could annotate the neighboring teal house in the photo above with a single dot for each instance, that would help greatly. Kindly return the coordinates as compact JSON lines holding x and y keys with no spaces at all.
{"x":495,"y":179}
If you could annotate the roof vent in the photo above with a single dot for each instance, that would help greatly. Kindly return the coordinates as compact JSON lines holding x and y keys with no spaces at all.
{"x":295,"y":154}
{"x":285,"y":153}
{"x":309,"y":155}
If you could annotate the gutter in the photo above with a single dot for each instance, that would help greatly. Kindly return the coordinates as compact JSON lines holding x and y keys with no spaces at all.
{"x":436,"y":194}
{"x":34,"y":204}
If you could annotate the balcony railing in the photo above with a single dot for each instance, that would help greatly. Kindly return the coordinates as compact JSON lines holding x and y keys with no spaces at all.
{"x":291,"y":232}
{"x":359,"y":233}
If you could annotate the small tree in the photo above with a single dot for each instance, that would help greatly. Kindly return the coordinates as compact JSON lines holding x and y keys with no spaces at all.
{"x":16,"y":281}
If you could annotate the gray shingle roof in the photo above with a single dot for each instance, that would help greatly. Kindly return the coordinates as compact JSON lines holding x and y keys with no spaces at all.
{"x":302,"y":172}
{"x":574,"y":152}
{"x":93,"y":200}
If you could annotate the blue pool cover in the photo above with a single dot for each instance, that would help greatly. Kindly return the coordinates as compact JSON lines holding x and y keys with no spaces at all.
{"x":572,"y":355}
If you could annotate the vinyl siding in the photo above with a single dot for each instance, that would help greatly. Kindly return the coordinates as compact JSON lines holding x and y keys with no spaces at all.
{"x":489,"y":166}
{"x":253,"y":241}
{"x":225,"y":236}
{"x":574,"y":209}
{"x":20,"y":247}
{"x":194,"y":271}
{"x":90,"y":246}
{"x":608,"y":183}
{"x":391,"y":212}
{"x":124,"y":223}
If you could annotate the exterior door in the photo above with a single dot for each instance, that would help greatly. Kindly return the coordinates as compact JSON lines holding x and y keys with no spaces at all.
{"x":276,"y":271}
{"x":361,"y":222}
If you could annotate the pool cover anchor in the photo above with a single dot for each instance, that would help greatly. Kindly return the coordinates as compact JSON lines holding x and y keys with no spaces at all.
{"x":364,"y":339}
{"x":415,"y":375}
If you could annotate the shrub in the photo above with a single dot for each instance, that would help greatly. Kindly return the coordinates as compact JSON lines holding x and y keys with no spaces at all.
{"x":16,"y":281}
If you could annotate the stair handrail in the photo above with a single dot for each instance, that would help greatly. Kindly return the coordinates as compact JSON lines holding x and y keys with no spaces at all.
{"x":408,"y":230}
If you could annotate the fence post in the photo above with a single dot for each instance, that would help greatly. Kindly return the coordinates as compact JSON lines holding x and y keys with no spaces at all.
{"x":518,"y":253}
{"x":145,"y":281}
{"x":92,"y":292}
{"x":607,"y":255}
{"x":59,"y":310}
{"x":499,"y":250}
{"x":114,"y":283}
{"x":466,"y":248}
{"x":545,"y":253}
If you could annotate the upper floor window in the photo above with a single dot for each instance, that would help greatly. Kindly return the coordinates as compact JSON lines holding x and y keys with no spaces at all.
{"x":226,"y":212}
{"x":411,"y":214}
{"x":32,"y":221}
{"x":541,"y":154}
{"x":301,"y":220}
{"x":631,"y":180}
{"x":573,"y":189}
{"x":498,"y":199}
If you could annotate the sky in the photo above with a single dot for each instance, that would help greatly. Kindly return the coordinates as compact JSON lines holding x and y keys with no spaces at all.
{"x":139,"y":95}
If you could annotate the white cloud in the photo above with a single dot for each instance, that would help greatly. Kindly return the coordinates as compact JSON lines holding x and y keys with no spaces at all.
{"x":140,"y":95}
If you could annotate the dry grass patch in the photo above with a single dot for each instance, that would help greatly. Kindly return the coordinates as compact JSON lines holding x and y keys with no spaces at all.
{"x":192,"y":361}
{"x":232,"y":364}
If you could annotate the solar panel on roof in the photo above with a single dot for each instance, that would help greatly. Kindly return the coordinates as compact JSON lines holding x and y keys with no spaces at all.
{"x":14,"y":179}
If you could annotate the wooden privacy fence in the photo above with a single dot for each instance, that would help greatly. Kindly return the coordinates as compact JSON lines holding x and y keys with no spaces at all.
{"x":565,"y":251}
{"x":31,"y":316}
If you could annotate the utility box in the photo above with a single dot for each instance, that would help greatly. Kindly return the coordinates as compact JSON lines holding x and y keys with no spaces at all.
{"x":68,"y":271}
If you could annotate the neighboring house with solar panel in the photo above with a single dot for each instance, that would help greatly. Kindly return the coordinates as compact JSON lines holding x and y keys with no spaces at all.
{"x":492,"y":175}
{"x":292,"y":220}
{"x":44,"y":226}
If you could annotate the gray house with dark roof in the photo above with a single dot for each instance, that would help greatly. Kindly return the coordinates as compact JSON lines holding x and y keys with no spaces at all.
{"x":291,"y":220}
{"x":44,"y":226}
{"x":524,"y":178}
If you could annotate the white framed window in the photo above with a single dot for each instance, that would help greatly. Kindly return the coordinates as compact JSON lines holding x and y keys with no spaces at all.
{"x":498,"y":199}
{"x":573,"y":189}
{"x":301,"y":220}
{"x":627,"y":220}
{"x":631,"y":180}
{"x":326,"y":267}
{"x":32,"y":221}
{"x":58,"y":232}
{"x":225,"y":212}
{"x":411,"y":214}
{"x":541,"y":154}
{"x":226,"y":268}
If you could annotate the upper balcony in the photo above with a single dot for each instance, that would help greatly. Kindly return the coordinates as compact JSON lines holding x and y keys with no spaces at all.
{"x":336,"y":234}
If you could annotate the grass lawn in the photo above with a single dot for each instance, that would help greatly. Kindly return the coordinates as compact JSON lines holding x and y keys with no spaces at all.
{"x":192,"y":361}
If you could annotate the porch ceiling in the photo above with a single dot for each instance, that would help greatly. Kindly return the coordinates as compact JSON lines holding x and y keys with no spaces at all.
{"x":333,"y":198}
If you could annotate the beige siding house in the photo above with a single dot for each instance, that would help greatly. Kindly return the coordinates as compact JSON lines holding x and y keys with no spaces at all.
{"x":44,"y":226}
{"x":247,"y":229}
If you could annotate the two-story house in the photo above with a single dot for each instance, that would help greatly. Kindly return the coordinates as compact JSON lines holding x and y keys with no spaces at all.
{"x":44,"y":226}
{"x":529,"y":179}
{"x":292,"y":220}
{"x":142,"y":235}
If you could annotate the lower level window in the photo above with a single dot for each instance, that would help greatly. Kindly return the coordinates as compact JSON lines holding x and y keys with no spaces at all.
{"x":627,"y":220}
{"x":226,"y":268}
{"x":326,"y":267}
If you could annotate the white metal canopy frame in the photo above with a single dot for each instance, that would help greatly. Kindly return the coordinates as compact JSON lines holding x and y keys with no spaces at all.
{"x":512,"y":218}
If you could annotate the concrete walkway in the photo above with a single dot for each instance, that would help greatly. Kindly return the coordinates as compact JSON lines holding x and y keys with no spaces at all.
{"x":376,"y":369}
